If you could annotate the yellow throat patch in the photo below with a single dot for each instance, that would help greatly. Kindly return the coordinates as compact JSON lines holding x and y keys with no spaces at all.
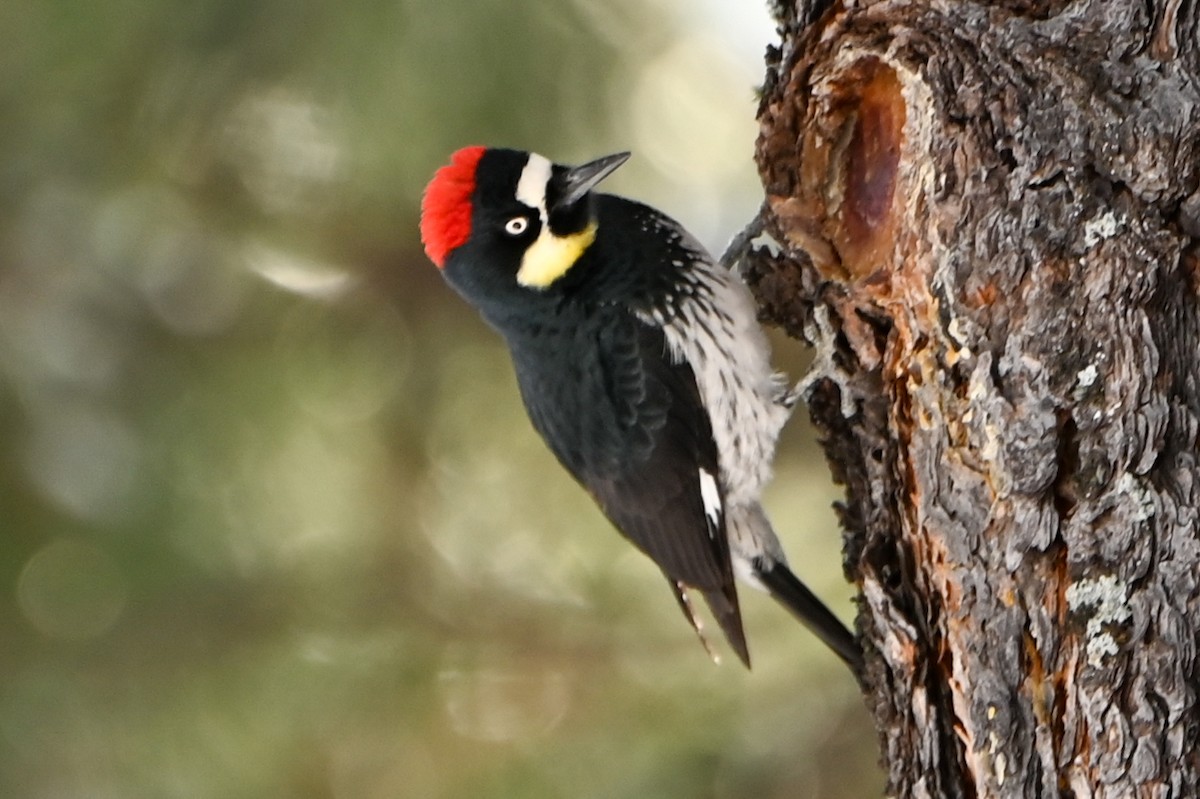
{"x":550,"y":256}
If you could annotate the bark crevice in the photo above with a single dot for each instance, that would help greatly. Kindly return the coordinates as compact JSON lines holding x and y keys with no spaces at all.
{"x":986,"y":221}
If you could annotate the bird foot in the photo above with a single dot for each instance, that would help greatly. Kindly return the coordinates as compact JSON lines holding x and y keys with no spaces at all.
{"x":821,"y":333}
{"x":685,"y":602}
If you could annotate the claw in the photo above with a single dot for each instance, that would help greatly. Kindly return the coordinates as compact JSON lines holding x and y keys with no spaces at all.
{"x":685,"y":603}
{"x":821,"y":334}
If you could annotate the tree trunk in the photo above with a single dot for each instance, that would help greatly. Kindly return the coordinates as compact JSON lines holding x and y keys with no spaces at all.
{"x":986,"y":216}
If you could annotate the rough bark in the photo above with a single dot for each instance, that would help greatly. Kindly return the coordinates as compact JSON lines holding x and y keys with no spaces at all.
{"x":987,"y":218}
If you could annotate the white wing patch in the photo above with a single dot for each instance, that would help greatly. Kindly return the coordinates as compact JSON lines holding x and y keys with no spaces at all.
{"x":712,"y":500}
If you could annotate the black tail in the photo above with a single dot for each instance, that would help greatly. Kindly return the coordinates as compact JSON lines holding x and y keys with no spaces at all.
{"x":724,"y":607}
{"x":804,"y":605}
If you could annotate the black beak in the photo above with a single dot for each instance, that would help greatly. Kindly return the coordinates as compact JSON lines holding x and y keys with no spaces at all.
{"x":580,"y":180}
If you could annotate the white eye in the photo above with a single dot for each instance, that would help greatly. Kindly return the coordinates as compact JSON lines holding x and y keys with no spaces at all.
{"x":516,"y":226}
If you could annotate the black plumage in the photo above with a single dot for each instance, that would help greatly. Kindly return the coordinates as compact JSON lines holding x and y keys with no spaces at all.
{"x":599,"y":385}
{"x":608,"y":389}
{"x":627,"y":422}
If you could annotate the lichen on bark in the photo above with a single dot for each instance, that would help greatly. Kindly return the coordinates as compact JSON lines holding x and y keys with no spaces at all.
{"x":997,"y":206}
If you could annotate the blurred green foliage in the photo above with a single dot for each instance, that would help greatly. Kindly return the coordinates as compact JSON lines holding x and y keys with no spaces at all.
{"x":274,"y":524}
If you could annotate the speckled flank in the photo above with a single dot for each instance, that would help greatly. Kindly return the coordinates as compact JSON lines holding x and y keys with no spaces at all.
{"x":713,"y":326}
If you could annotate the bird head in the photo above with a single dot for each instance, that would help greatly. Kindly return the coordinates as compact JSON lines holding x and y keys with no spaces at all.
{"x":497,"y":218}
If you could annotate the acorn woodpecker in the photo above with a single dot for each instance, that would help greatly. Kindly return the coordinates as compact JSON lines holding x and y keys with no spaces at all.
{"x":640,"y":362}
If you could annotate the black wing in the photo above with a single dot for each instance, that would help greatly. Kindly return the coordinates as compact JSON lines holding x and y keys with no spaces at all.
{"x":628,"y":422}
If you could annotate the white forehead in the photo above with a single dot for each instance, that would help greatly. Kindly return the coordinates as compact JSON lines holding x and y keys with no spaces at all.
{"x":531,"y":188}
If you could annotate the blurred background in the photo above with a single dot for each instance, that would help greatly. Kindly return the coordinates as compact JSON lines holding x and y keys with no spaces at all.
{"x":274,"y":523}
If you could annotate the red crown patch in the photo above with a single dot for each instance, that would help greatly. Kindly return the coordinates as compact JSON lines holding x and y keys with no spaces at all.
{"x":446,"y":206}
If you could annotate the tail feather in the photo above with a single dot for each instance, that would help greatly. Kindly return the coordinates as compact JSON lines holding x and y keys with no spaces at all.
{"x":805,"y":606}
{"x":724,"y":607}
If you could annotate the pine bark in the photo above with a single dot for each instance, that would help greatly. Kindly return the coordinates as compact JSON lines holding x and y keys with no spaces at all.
{"x":986,"y":216}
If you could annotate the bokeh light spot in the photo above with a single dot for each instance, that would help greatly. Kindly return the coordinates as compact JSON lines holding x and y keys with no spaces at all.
{"x":71,"y":590}
{"x":287,"y":148}
{"x":296,"y":274}
{"x":154,"y":239}
{"x":499,"y":705}
{"x":84,"y":458}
